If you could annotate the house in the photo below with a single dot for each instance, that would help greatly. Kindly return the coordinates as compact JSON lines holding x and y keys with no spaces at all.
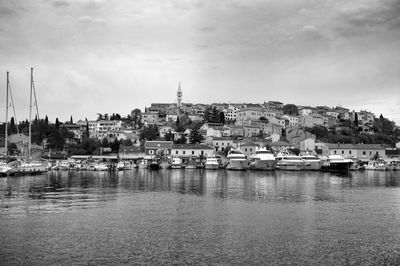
{"x":150,"y":118}
{"x":164,"y":130}
{"x":186,"y":151}
{"x":221,"y":143}
{"x":311,"y":120}
{"x":249,"y":148}
{"x":362,"y":152}
{"x":75,"y":129}
{"x":281,"y":145}
{"x":157,"y":147}
{"x":251,"y":131}
{"x":307,"y":145}
{"x":292,"y":121}
{"x":128,"y":135}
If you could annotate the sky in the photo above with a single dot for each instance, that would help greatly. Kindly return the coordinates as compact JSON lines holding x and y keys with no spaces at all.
{"x":99,"y":56}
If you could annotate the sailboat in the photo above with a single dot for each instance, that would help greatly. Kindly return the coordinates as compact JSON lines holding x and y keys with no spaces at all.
{"x":28,"y":166}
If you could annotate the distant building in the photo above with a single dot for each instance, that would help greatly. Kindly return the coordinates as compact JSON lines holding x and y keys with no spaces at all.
{"x":360,"y":151}
{"x":191,"y":150}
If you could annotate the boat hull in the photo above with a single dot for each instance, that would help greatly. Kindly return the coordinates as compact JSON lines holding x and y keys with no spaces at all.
{"x":236,"y":165}
{"x":312,"y":165}
{"x":263,"y":165}
{"x":290,"y":166}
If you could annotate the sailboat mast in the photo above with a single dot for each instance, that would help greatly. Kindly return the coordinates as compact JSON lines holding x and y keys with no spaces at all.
{"x":6,"y":133}
{"x":30,"y":115}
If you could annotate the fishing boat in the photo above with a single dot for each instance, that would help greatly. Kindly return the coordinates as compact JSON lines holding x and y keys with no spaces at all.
{"x":99,"y":166}
{"x":236,"y":160}
{"x":262,"y":159}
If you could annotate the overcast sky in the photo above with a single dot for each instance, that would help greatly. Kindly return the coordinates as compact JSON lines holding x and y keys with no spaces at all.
{"x":113,"y":56}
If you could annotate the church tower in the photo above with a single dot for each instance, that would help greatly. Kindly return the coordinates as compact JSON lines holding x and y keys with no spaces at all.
{"x":179,"y":96}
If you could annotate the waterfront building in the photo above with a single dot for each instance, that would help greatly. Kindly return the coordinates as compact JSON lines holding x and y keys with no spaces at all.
{"x":186,"y":151}
{"x":363,"y":152}
{"x":307,"y":145}
{"x":157,"y":147}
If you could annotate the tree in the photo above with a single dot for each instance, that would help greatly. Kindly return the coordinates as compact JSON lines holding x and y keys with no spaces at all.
{"x":355,"y":122}
{"x":195,"y":136}
{"x":104,"y":143}
{"x":87,"y":129}
{"x":57,"y":123}
{"x":290,"y":109}
{"x":264,"y":120}
{"x":115,"y":145}
{"x":13,"y":127}
{"x":181,"y":140}
{"x":46,"y":121}
{"x":169,"y":136}
{"x":178,"y":125}
{"x":71,"y":121}
{"x":222,"y":118}
{"x":100,"y":117}
{"x":149,"y":133}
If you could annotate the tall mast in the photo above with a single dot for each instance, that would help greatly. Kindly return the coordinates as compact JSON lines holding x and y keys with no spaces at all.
{"x":6,"y":133}
{"x":30,"y":116}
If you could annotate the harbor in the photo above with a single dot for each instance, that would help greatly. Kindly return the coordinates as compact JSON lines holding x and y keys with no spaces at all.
{"x":200,"y":217}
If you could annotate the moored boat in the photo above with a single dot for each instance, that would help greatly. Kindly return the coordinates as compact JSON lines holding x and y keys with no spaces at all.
{"x":377,"y":165}
{"x":211,"y":163}
{"x":289,"y":162}
{"x":336,"y":163}
{"x":237,"y":160}
{"x":263,"y":159}
{"x":311,"y":162}
{"x":176,"y":163}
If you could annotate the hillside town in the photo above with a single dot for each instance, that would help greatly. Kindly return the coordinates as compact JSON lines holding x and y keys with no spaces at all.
{"x":213,"y":128}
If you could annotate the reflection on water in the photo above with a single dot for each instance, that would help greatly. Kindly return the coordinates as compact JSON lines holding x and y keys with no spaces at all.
{"x":84,"y":188}
{"x":199,"y":216}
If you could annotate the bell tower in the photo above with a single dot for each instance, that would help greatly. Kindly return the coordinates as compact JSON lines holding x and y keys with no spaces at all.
{"x":179,"y":96}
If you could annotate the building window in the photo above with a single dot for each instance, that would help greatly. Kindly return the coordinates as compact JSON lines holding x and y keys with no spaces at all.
{"x":184,"y":152}
{"x":364,"y":153}
{"x":349,"y":152}
{"x":151,"y":152}
{"x":192,"y":152}
{"x":251,"y":149}
{"x":334,"y":152}
{"x":370,"y":152}
{"x":245,"y":149}
{"x":202,"y":152}
{"x":342,"y":152}
{"x":176,"y":152}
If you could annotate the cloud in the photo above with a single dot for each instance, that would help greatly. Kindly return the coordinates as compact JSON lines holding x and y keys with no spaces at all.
{"x":366,"y":18}
{"x":207,"y":29}
{"x":61,"y":4}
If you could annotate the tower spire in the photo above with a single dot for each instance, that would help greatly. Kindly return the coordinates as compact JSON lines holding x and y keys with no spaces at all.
{"x":179,"y":96}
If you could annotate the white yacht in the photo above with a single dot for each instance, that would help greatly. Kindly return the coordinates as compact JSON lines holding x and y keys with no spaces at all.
{"x":289,"y":162}
{"x":237,"y":160}
{"x":263,"y":159}
{"x":212,"y":163}
{"x":311,"y":162}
